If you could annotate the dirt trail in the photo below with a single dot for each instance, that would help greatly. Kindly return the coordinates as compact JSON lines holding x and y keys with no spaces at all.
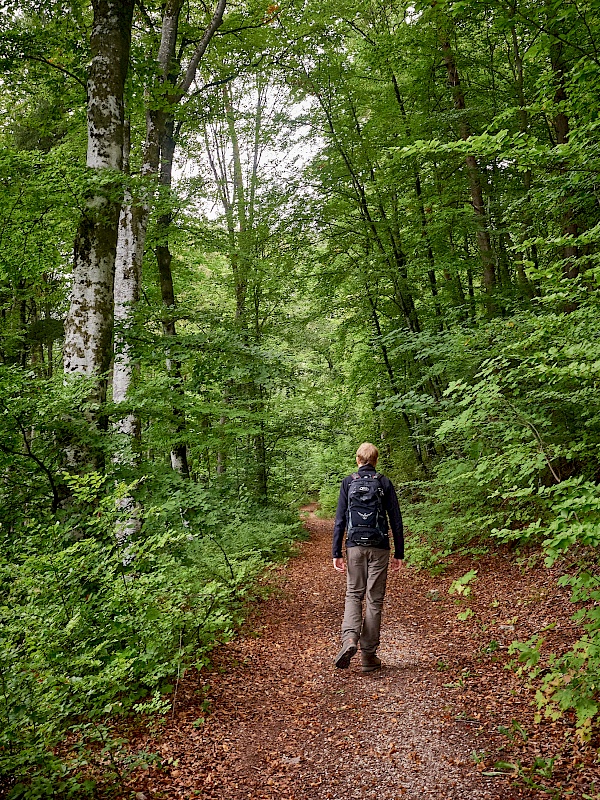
{"x":288,"y":724}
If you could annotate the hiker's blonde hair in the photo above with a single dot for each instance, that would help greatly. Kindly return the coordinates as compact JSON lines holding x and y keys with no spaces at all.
{"x":367,"y":453}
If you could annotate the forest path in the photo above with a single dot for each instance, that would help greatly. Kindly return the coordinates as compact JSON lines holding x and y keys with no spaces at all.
{"x":287,"y":724}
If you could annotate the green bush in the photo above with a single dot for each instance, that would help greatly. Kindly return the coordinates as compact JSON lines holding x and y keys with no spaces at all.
{"x":93,"y":622}
{"x":519,"y":428}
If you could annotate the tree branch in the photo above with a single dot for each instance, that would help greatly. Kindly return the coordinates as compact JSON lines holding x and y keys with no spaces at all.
{"x":214,"y":84}
{"x":65,"y":71}
{"x":36,"y":460}
{"x":145,"y":15}
{"x":537,"y":437}
{"x":228,"y":78}
{"x":355,"y":27}
{"x":229,"y":31}
{"x":190,"y":73}
{"x":541,"y":27}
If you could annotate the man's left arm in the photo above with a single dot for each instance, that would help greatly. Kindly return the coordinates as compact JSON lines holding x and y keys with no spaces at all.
{"x":395,"y":520}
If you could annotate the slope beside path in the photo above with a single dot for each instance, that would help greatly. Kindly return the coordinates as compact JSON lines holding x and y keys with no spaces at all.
{"x":285,"y":723}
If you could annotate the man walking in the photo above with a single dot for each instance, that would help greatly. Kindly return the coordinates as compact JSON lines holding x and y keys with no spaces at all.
{"x":367,"y":502}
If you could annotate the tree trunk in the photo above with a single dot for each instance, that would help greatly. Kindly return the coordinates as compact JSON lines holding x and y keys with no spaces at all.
{"x":134,"y":218}
{"x":128,"y":268}
{"x":89,"y":326}
{"x":238,"y":200}
{"x":525,"y":285}
{"x":429,"y":249}
{"x":561,"y":125}
{"x":158,"y":158}
{"x":163,"y":123}
{"x":240,"y":259}
{"x":482,"y":230}
{"x":164,"y":258}
{"x":395,"y":388}
{"x":260,"y":464}
{"x":222,"y":454}
{"x":128,"y":275}
{"x":424,"y":229}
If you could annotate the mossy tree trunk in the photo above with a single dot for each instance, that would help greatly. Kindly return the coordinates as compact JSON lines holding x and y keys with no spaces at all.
{"x":89,"y":325}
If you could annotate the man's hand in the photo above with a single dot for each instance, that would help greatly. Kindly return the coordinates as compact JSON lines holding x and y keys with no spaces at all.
{"x":338,"y":565}
{"x":396,"y":564}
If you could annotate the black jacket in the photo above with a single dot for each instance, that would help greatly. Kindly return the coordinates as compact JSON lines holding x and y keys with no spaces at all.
{"x":390,"y":506}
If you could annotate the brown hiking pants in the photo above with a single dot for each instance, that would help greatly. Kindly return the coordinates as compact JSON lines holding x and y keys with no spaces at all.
{"x":366,"y":575}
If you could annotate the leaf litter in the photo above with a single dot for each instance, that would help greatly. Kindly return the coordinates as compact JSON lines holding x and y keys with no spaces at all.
{"x":273,"y":718}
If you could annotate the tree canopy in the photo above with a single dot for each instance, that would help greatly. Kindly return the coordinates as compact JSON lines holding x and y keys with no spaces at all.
{"x":236,"y":240}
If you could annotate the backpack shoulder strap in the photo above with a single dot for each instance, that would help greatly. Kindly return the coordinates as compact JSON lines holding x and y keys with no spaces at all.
{"x":378,"y":476}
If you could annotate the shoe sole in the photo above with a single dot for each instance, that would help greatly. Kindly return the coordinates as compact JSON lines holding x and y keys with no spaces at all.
{"x":344,"y":656}
{"x":371,"y":669}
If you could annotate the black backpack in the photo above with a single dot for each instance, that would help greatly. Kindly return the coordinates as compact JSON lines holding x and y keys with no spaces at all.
{"x":367,"y":524}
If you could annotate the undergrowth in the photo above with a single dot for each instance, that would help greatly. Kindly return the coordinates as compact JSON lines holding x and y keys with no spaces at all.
{"x":453,"y":514}
{"x":96,"y":625}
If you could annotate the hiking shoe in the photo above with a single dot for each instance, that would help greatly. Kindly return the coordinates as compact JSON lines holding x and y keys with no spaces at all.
{"x":370,"y":662}
{"x":348,"y":650}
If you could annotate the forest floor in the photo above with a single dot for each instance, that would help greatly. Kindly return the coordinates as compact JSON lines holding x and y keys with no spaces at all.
{"x":273,"y":718}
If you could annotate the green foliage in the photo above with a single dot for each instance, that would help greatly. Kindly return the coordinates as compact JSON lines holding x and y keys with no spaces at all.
{"x":461,"y":586}
{"x":352,"y":289}
{"x":93,"y":624}
{"x":570,"y":681}
{"x":447,"y":514}
{"x":39,"y":420}
{"x":523,"y":430}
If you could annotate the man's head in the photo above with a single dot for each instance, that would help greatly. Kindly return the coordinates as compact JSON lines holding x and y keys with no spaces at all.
{"x":367,"y":453}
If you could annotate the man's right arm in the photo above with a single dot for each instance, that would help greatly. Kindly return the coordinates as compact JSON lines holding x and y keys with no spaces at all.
{"x":339,"y":526}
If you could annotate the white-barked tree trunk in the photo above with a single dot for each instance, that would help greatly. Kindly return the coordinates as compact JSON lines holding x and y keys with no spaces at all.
{"x":89,"y":325}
